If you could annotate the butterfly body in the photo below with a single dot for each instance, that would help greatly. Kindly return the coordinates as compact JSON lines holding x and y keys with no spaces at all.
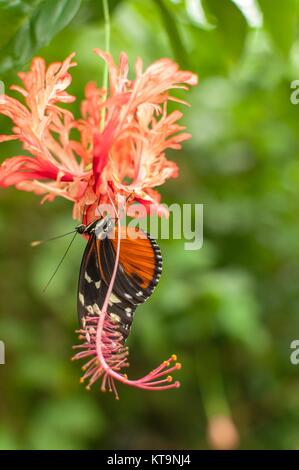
{"x":139,"y":270}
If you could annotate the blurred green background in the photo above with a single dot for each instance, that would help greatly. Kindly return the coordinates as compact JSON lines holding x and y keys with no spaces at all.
{"x":229,"y":310}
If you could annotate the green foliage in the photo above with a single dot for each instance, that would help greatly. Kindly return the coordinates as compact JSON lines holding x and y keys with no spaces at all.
{"x":229,"y":310}
{"x":42,"y":22}
{"x":282,"y":25}
{"x":231,"y":27}
{"x":12,"y":15}
{"x":173,"y":33}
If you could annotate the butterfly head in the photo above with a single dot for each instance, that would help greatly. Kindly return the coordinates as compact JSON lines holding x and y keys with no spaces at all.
{"x":101,"y":227}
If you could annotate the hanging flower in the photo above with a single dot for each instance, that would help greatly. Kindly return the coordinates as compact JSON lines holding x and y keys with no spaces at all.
{"x":122,"y":137}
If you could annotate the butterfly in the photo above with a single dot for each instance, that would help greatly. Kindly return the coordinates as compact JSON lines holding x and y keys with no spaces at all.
{"x":138,"y":272}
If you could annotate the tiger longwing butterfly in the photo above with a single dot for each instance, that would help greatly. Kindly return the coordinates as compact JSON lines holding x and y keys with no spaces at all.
{"x":139,"y":270}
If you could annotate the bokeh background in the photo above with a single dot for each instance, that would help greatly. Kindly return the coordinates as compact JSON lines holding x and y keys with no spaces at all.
{"x":229,"y":310}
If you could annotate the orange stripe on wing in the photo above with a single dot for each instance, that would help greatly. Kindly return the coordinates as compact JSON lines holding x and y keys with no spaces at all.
{"x":137,"y":255}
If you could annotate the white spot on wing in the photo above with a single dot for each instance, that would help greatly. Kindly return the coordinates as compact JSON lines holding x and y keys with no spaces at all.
{"x":81,"y":298}
{"x":96,"y":309}
{"x":114,"y":299}
{"x":114,"y":317}
{"x":89,"y":308}
{"x":128,"y":311}
{"x":88,"y":278}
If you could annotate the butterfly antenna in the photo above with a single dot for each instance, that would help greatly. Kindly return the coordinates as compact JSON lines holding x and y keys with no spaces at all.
{"x":60,"y":262}
{"x":39,"y":242}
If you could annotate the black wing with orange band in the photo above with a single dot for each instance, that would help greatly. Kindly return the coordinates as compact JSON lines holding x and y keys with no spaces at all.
{"x":139,"y":270}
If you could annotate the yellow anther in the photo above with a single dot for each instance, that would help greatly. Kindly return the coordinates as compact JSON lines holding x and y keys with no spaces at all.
{"x":174,"y":357}
{"x":169,"y":378}
{"x":125,"y":376}
{"x":166,"y":363}
{"x":178,"y":366}
{"x":81,"y":380}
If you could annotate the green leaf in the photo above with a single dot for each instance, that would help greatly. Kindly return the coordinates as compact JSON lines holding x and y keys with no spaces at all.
{"x":231,"y":26}
{"x":42,"y":24}
{"x":12,"y":15}
{"x":280,"y":20}
{"x":173,"y":32}
{"x":91,"y":11}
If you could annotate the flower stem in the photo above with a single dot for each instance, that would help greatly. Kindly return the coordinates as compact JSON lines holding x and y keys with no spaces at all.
{"x":107,"y":48}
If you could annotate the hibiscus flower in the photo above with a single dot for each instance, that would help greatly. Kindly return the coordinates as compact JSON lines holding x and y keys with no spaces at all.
{"x":122,"y":135}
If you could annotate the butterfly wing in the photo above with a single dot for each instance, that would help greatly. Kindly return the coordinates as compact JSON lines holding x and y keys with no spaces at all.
{"x":140,"y":264}
{"x":89,"y":280}
{"x":139,"y":270}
